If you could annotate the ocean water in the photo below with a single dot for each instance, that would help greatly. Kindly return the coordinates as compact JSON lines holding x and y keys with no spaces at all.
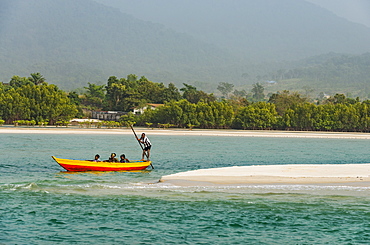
{"x":43,"y":204}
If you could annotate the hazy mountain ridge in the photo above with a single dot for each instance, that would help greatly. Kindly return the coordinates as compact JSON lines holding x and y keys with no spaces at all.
{"x":89,"y":34}
{"x":75,"y":42}
{"x":328,"y":73}
{"x":259,"y":30}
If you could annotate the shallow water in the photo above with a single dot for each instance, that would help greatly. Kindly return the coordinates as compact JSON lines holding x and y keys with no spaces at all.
{"x":42,"y":204}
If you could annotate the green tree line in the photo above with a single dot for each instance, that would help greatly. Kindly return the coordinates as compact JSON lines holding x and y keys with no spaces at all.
{"x":263,"y":115}
{"x":34,"y":100}
{"x":211,"y":114}
{"x":124,"y":94}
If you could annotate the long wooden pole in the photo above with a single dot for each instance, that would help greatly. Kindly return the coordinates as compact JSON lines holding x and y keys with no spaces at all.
{"x":141,"y":145}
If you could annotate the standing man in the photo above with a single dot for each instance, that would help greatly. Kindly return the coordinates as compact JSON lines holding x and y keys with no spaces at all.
{"x":147,"y":145}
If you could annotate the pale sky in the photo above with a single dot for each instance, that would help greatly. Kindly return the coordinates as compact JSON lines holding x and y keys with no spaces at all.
{"x":354,"y":10}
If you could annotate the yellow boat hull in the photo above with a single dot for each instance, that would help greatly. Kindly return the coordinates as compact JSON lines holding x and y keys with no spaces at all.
{"x":83,"y":165}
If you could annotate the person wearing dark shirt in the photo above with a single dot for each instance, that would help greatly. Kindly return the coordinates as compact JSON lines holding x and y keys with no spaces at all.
{"x":112,"y":158}
{"x":123,"y":158}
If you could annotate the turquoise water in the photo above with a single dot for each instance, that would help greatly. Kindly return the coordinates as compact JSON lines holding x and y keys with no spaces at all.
{"x":42,"y":204}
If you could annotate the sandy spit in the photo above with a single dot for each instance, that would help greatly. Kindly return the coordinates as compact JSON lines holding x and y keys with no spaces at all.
{"x":352,"y":174}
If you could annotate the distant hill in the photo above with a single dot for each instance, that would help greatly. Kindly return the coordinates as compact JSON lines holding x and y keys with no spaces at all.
{"x":263,"y":30}
{"x":72,"y":42}
{"x":328,"y":73}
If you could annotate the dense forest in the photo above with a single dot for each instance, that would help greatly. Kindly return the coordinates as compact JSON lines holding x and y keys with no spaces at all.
{"x":33,"y":100}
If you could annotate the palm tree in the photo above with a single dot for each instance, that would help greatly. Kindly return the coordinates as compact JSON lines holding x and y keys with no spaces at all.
{"x":36,"y":78}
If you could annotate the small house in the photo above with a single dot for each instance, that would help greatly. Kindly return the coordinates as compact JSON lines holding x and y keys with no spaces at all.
{"x":107,"y":115}
{"x":140,"y":110}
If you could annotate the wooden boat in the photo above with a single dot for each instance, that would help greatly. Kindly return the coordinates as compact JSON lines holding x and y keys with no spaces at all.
{"x":84,"y":165}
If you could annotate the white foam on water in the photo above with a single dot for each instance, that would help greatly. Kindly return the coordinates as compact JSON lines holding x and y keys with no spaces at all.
{"x":165,"y":188}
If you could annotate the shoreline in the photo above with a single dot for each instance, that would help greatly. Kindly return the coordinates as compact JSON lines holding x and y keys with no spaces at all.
{"x":293,"y":174}
{"x":187,"y":132}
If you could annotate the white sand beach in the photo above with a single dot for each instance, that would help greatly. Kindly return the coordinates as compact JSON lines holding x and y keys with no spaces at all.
{"x":187,"y":132}
{"x":350,"y":174}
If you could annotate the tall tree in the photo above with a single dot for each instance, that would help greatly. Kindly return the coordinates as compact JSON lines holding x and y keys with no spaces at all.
{"x":285,"y":100}
{"x":225,"y":88}
{"x":341,"y":99}
{"x":94,"y":95}
{"x":241,"y":93}
{"x":191,"y":94}
{"x":17,"y":81}
{"x":258,"y":92}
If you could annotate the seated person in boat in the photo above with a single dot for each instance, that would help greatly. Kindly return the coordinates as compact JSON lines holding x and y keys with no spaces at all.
{"x":123,"y":158}
{"x":97,"y":158}
{"x":112,"y":158}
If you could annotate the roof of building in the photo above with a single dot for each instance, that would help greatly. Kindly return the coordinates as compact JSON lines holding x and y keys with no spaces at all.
{"x":84,"y":120}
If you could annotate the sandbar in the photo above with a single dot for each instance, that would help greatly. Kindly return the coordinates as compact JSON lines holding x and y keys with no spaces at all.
{"x":348,"y":174}
{"x":185,"y":132}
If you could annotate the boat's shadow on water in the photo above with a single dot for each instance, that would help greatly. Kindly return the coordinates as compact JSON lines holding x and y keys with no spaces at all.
{"x":133,"y":176}
{"x":105,"y":172}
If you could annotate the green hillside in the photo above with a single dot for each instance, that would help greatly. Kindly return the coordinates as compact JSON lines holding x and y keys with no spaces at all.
{"x":330,"y":74}
{"x":259,"y":31}
{"x":73,"y":42}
